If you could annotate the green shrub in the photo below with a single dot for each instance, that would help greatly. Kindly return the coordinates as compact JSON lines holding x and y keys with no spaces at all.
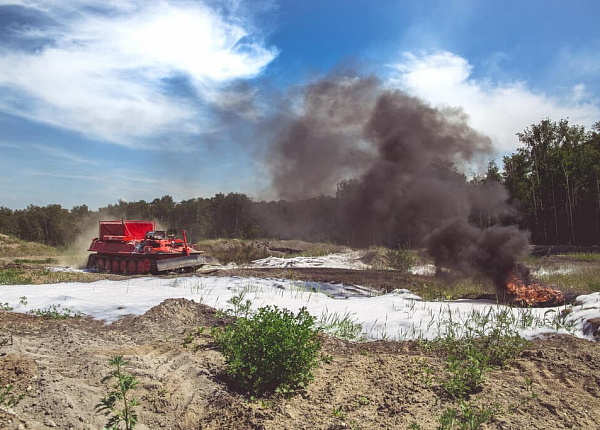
{"x":273,"y":350}
{"x":401,"y":259}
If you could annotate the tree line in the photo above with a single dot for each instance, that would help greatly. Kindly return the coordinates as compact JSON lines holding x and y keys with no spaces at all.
{"x":553,"y":179}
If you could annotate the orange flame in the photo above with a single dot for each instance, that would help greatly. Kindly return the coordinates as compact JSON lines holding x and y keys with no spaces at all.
{"x":533,"y":294}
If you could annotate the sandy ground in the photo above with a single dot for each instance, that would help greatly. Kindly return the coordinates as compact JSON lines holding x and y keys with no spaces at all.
{"x":59,"y":365}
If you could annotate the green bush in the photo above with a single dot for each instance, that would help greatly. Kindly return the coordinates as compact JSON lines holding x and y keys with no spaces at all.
{"x":273,"y":350}
{"x":401,"y":259}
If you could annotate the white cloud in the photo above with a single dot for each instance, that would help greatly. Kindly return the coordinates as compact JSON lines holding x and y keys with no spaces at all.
{"x":105,"y":73}
{"x":498,"y":109}
{"x":64,"y":156}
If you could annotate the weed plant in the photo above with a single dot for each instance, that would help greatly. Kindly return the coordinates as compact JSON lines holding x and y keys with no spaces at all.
{"x":7,"y":397}
{"x":6,"y":339}
{"x":475,"y":346}
{"x":55,"y":312}
{"x":270,"y":351}
{"x":401,"y":259}
{"x":341,"y":326}
{"x":240,"y":305}
{"x":117,"y":402}
{"x":492,"y":333}
{"x":466,"y":417}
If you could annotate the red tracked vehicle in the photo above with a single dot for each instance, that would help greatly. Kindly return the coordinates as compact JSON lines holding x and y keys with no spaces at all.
{"x":136,"y":247}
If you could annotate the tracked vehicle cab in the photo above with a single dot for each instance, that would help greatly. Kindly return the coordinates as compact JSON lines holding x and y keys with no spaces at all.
{"x":156,"y":235}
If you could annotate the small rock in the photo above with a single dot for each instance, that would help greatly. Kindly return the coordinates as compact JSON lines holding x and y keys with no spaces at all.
{"x":49,"y":422}
{"x":592,"y":328}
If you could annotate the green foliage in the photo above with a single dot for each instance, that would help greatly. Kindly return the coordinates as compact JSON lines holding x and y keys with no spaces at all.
{"x":401,"y":259}
{"x":555,"y":180}
{"x":55,"y":312}
{"x":380,"y":258}
{"x":273,"y":350}
{"x":240,"y":305}
{"x":584,"y":256}
{"x":116,"y":403}
{"x":341,"y":326}
{"x":473,"y":347}
{"x":11,"y":276}
{"x":465,"y":375}
{"x":492,"y":334}
{"x":327,"y":358}
{"x":188,"y":338}
{"x":7,"y":397}
{"x":466,"y":417}
{"x":338,"y":412}
{"x":584,"y":278}
{"x":233,"y":251}
{"x":48,"y":260}
{"x":5,"y":339}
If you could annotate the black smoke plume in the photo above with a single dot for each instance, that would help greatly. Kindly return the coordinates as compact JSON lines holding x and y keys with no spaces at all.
{"x":395,"y":163}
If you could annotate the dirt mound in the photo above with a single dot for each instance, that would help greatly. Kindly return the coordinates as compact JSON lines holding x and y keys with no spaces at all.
{"x":168,"y":318}
{"x":58,"y":366}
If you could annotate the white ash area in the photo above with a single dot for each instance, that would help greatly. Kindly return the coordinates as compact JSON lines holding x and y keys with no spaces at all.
{"x":342,"y":260}
{"x":423,"y":269}
{"x":351,"y":260}
{"x":65,"y":269}
{"x":399,"y":315}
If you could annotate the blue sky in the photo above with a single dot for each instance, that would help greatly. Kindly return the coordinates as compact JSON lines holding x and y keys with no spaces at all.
{"x":108,"y":100}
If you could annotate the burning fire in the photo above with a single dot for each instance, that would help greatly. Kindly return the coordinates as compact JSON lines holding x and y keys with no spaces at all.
{"x":532,"y":294}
